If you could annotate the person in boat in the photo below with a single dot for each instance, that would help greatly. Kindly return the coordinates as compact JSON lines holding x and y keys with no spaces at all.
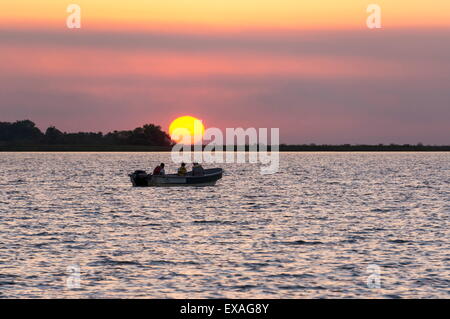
{"x":197,"y":170}
{"x":159,"y":170}
{"x":182,"y":171}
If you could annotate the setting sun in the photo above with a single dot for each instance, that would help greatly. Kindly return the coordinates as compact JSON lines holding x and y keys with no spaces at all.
{"x":186,"y":130}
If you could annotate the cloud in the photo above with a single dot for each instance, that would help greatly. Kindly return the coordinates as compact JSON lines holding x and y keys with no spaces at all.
{"x":318,"y":87}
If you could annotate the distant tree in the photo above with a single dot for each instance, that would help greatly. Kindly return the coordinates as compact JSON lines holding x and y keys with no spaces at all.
{"x":155,"y":135}
{"x":21,"y":131}
{"x":54,"y":136}
{"x":149,"y":134}
{"x":26,"y":132}
{"x":82,"y":138}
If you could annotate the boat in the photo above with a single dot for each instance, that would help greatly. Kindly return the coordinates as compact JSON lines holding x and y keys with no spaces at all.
{"x":142,"y":179}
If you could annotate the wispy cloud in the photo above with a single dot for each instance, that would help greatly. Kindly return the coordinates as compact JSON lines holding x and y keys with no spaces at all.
{"x":323,"y":87}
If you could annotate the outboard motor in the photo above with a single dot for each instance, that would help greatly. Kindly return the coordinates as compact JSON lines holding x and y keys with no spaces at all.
{"x":139,"y":178}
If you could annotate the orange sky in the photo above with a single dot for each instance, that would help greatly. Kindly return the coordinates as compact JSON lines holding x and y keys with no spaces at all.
{"x":309,"y":67}
{"x":267,"y":14}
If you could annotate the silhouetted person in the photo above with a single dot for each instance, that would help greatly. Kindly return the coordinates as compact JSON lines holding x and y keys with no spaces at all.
{"x":182,"y":171}
{"x":197,"y":170}
{"x":159,"y":170}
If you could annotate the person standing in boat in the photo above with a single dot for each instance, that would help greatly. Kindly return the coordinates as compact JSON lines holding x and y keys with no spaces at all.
{"x":159,"y":170}
{"x":197,"y":170}
{"x":182,"y":171}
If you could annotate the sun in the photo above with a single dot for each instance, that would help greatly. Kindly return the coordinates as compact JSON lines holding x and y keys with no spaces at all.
{"x":187,"y":130}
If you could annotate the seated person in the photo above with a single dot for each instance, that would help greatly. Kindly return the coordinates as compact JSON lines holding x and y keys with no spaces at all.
{"x":159,"y":170}
{"x":197,"y":170}
{"x":182,"y":171}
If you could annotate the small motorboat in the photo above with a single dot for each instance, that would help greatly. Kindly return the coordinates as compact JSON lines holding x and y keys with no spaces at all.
{"x":210,"y":177}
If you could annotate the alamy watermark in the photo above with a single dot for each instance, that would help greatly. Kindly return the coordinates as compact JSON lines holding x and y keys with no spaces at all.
{"x":262,"y":148}
{"x":374,"y":19}
{"x":374,"y":278}
{"x":73,"y":21}
{"x":73,"y":280}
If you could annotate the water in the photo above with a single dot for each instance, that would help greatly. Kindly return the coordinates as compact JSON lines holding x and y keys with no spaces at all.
{"x":361,"y":225}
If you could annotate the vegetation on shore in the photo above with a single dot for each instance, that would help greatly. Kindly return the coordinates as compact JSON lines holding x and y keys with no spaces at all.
{"x":25,"y":136}
{"x":283,"y":148}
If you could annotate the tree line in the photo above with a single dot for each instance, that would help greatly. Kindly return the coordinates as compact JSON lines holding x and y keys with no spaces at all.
{"x":26,"y":133}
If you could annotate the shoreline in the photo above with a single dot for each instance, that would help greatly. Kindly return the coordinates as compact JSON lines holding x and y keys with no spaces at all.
{"x":283,"y":148}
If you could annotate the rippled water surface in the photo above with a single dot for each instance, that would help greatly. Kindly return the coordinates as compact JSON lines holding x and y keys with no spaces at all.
{"x":312,"y":230}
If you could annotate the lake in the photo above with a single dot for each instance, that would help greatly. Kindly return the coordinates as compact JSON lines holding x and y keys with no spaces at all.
{"x":328,"y":225}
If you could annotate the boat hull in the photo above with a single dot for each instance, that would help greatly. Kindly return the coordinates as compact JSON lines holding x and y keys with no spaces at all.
{"x":141,"y":179}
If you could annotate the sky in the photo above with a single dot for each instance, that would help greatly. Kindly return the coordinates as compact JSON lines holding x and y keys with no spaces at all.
{"x":311,"y":68}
